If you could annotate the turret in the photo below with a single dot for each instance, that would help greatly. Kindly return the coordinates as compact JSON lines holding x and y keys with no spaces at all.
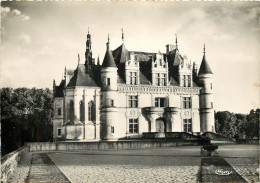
{"x":109,"y":71}
{"x":88,"y":53}
{"x":205,"y":77}
{"x":109,"y":99}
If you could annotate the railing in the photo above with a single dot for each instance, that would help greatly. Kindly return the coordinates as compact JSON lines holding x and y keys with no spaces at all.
{"x":157,"y":89}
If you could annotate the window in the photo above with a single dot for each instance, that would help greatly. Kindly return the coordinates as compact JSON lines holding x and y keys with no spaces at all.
{"x":59,"y":111}
{"x":160,"y":79}
{"x":163,"y":80}
{"x":133,"y":126}
{"x":108,"y":81}
{"x":186,"y":79}
{"x":82,"y":111}
{"x":91,"y":111}
{"x":59,"y":132}
{"x":212,"y":105}
{"x":211,"y":87}
{"x":157,"y":79}
{"x":187,"y":125}
{"x":159,"y":102}
{"x":71,"y":111}
{"x":186,"y":102}
{"x":112,"y":129}
{"x":132,"y":101}
{"x":133,"y":78}
{"x":110,"y":102}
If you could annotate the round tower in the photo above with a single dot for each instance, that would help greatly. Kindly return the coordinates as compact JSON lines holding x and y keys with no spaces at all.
{"x":205,"y":77}
{"x":109,"y":100}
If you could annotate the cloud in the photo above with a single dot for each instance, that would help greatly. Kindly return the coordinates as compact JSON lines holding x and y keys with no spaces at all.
{"x":24,"y":38}
{"x":13,"y":15}
{"x":16,"y":12}
{"x":5,"y":10}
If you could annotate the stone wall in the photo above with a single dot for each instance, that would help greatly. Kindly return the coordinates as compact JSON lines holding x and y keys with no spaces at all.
{"x":64,"y":146}
{"x":247,"y":141}
{"x":9,"y":162}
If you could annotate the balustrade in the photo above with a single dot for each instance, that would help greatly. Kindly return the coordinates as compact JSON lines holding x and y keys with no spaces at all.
{"x":157,"y":89}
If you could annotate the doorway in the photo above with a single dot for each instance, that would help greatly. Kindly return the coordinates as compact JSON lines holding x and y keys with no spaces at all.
{"x":160,"y":125}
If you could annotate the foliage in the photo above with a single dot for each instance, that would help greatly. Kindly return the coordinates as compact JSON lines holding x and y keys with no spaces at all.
{"x":25,"y":116}
{"x":239,"y":126}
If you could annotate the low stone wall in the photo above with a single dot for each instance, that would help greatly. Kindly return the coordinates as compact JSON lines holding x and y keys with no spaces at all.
{"x":9,"y":162}
{"x":247,"y":141}
{"x":100,"y":145}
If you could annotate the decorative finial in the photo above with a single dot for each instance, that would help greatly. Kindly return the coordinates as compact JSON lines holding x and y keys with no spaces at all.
{"x":78,"y":59}
{"x":108,"y":38}
{"x":204,"y":49}
{"x":98,"y":62}
{"x":122,"y":34}
{"x":176,"y":41}
{"x":88,"y":30}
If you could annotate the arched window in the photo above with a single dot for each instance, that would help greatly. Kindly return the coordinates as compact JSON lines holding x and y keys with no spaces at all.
{"x":71,"y":112}
{"x":91,"y":111}
{"x":82,"y":111}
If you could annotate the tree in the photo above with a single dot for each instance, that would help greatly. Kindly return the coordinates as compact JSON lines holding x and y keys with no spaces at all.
{"x":226,"y":123}
{"x":26,"y":116}
{"x":240,"y":126}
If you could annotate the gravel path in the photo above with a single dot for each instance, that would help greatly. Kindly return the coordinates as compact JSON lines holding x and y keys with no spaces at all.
{"x":178,"y":164}
{"x":156,"y":165}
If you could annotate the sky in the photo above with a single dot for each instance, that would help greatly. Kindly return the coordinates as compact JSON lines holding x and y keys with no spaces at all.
{"x":38,"y":39}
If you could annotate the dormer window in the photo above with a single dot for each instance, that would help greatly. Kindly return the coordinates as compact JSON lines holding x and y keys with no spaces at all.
{"x":163,"y":80}
{"x":186,"y":80}
{"x":133,"y":78}
{"x":160,"y":79}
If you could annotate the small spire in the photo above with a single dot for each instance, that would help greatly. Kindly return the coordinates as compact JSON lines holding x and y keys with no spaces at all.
{"x":88,"y":30}
{"x":176,"y":41}
{"x":204,"y":49}
{"x":98,"y":62}
{"x":122,"y":35}
{"x":108,"y":42}
{"x":78,"y":59}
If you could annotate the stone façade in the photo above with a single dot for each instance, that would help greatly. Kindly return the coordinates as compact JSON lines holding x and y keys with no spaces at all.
{"x":133,"y":93}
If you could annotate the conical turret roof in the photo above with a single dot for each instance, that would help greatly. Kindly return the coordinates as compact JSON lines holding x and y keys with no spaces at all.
{"x":204,"y":67}
{"x":108,"y":59}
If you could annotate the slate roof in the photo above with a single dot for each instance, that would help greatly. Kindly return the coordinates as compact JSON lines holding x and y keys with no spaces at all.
{"x":117,"y":58}
{"x":145,"y":59}
{"x":82,"y":77}
{"x":108,"y":59}
{"x":120,"y":54}
{"x":204,"y":67}
{"x":59,"y":89}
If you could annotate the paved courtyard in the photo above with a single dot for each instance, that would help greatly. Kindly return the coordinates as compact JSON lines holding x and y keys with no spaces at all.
{"x":177,"y":164}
